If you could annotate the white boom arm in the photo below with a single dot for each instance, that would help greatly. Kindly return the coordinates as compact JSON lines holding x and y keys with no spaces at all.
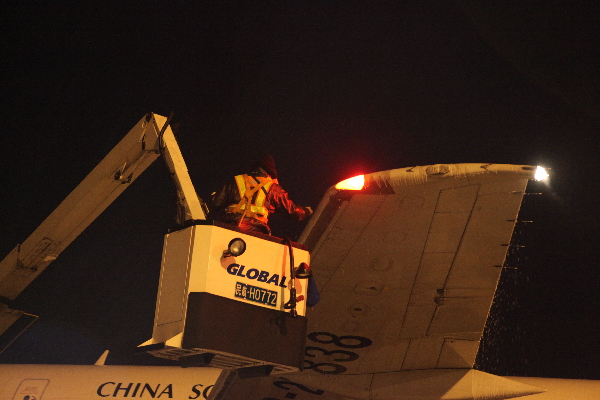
{"x":186,"y":194}
{"x":125,"y":162}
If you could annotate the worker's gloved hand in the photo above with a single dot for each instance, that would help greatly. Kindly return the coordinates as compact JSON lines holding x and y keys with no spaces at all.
{"x":310,"y":211}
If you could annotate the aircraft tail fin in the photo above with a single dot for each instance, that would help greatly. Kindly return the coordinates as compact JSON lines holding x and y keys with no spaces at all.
{"x":102,"y":358}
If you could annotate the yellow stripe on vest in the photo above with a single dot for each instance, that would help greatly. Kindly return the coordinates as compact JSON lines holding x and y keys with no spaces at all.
{"x":248,"y":187}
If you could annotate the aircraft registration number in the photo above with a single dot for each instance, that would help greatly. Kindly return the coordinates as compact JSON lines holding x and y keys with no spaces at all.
{"x":256,"y":294}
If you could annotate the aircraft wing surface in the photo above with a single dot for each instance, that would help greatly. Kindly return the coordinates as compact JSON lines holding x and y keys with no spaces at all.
{"x":407,"y":268}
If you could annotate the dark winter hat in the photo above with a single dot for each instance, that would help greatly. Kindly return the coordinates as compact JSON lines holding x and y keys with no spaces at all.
{"x":266,"y":162}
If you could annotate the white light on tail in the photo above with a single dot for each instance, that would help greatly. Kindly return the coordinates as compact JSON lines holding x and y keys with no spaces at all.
{"x":355,"y":183}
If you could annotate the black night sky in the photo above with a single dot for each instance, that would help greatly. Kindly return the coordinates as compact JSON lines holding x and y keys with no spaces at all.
{"x":331,"y":89}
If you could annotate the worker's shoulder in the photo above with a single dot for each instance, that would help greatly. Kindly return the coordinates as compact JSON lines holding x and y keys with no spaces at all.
{"x":276,"y":188}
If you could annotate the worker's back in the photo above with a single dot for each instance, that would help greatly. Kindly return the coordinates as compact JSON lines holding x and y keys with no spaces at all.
{"x":247,"y":200}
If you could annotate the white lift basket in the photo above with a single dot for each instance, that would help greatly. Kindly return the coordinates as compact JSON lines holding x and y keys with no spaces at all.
{"x":215,"y":308}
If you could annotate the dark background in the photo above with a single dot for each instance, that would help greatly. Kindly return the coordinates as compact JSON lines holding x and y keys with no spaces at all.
{"x":331,"y":89}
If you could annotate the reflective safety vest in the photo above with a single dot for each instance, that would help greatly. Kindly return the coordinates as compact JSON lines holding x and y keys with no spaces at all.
{"x":253,"y":193}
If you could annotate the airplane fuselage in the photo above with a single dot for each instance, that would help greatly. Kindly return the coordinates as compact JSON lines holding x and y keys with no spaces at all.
{"x":83,"y":382}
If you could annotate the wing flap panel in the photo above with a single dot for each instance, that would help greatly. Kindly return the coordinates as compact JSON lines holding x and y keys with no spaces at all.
{"x":391,"y":354}
{"x":457,"y":316}
{"x":418,"y":318}
{"x":452,"y":212}
{"x":423,"y":353}
{"x":487,"y":236}
{"x":446,"y":232}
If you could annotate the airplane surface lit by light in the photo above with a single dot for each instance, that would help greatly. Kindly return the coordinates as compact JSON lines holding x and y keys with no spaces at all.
{"x":406,"y":261}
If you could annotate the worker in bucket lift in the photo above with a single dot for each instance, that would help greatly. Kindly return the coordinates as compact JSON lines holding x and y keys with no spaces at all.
{"x":249,"y":199}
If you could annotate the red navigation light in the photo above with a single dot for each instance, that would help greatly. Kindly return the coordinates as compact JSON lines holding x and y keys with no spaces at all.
{"x":355,"y":183}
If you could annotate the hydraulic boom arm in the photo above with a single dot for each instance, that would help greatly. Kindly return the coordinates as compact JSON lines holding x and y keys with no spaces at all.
{"x":149,"y":138}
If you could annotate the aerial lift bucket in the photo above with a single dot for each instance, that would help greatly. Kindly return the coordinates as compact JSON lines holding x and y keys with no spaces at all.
{"x":227,"y":299}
